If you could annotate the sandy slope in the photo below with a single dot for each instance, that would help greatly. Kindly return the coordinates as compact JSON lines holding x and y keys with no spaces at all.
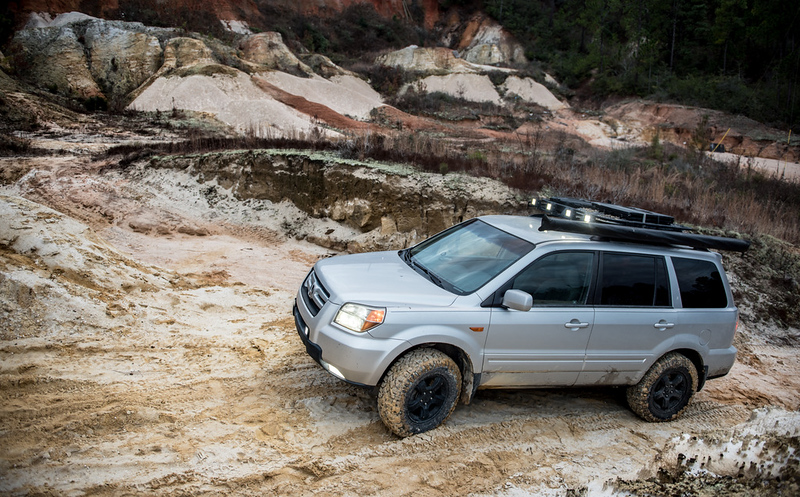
{"x":138,"y":358}
{"x":236,"y":101}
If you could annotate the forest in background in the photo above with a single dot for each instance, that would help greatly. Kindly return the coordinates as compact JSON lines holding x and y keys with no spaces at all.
{"x":739,"y":56}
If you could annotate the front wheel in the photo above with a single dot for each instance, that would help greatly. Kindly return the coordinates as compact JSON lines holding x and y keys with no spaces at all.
{"x":665,"y":390}
{"x":419,"y":392}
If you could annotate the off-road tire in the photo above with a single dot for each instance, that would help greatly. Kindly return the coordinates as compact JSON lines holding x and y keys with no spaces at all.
{"x":419,"y":392}
{"x":665,"y":390}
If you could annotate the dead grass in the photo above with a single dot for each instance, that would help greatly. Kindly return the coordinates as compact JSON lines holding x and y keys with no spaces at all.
{"x":691,"y":187}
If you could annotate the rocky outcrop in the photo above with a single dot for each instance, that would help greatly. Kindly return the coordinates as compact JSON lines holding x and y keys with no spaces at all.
{"x":82,"y":57}
{"x":427,"y":60}
{"x":324,"y":66}
{"x":484,"y":41}
{"x":678,"y":124}
{"x":268,"y":51}
{"x":186,"y":52}
{"x":53,"y":59}
{"x":445,"y":72}
{"x":121,"y":59}
{"x":391,"y":208}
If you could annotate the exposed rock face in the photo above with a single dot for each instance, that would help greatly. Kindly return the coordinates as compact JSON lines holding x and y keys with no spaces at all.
{"x":185,"y":52}
{"x":46,"y":20}
{"x":390,"y":209}
{"x":82,"y":57}
{"x":121,"y":59}
{"x":484,"y":41}
{"x":4,"y":65}
{"x":463,"y":79}
{"x":53,"y":59}
{"x":428,"y":60}
{"x":324,"y":66}
{"x":677,"y":123}
{"x":269,"y":51}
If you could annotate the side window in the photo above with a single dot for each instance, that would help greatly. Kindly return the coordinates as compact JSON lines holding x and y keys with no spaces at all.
{"x":700,"y":284}
{"x":561,"y":278}
{"x":634,"y":280}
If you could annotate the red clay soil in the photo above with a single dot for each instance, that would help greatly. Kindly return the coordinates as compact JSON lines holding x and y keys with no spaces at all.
{"x":242,"y":10}
{"x":386,"y":117}
{"x":677,"y":123}
{"x":317,"y":111}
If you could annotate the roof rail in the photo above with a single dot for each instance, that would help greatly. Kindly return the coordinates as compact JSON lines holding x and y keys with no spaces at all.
{"x":629,"y":224}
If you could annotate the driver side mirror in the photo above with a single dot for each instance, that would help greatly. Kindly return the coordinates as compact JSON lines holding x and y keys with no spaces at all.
{"x":518,"y":300}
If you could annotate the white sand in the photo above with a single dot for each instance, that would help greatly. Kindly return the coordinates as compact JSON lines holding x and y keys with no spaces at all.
{"x":234,"y":100}
{"x":472,"y":87}
{"x":346,"y":95}
{"x":531,"y":91}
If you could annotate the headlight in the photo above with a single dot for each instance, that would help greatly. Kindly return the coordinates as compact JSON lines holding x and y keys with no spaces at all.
{"x":359,"y":318}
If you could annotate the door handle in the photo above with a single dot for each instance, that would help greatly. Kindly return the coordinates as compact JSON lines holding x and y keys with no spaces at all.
{"x":575,"y":325}
{"x":663,"y":325}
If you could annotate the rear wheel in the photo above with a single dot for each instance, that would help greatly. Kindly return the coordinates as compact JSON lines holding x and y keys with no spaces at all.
{"x":665,"y":390}
{"x":419,"y":392}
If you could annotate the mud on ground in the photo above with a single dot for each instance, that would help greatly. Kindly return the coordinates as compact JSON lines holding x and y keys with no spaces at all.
{"x":147,"y":346}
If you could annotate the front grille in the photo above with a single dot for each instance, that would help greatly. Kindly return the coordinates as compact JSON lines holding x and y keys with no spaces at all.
{"x":314,"y":294}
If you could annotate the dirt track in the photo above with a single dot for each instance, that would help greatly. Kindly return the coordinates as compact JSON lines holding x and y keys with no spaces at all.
{"x":156,"y":353}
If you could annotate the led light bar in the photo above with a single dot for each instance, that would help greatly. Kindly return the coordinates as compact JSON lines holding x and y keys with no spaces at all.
{"x":609,"y":221}
{"x":600,"y":212}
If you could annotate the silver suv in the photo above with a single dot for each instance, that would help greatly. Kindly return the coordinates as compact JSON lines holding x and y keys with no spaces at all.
{"x":508,"y":302}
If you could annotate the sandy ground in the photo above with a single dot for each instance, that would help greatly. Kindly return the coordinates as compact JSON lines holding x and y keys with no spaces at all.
{"x":148,"y":347}
{"x":771,"y":167}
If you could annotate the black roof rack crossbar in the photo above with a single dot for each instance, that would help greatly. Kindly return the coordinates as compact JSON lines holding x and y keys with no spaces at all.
{"x":634,"y":214}
{"x":640,"y":224}
{"x":625,"y":223}
{"x":644,"y":235}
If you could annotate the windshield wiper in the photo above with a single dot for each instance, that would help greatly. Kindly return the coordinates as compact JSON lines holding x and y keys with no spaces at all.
{"x":406,"y":256}
{"x":409,"y":259}
{"x":434,"y":279}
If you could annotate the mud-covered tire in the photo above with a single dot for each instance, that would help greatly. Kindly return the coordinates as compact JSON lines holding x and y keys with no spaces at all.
{"x":419,"y":392}
{"x":665,"y":390}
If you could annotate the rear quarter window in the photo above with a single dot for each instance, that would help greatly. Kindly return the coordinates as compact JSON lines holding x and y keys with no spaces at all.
{"x":700,"y":284}
{"x":633,"y":280}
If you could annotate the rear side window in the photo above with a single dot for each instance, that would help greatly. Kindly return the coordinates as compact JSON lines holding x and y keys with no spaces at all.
{"x":700,"y":284}
{"x":634,"y":280}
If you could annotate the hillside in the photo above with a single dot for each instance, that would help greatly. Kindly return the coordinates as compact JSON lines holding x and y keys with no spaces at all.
{"x":148,"y":347}
{"x":163,"y":193}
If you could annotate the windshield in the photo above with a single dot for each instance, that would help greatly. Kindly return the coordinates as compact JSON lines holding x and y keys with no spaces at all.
{"x":465,"y":257}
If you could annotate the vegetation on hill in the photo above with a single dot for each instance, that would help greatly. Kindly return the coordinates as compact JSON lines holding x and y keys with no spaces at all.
{"x":739,"y":56}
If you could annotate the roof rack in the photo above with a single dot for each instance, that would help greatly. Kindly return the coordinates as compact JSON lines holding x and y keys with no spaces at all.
{"x":629,"y":224}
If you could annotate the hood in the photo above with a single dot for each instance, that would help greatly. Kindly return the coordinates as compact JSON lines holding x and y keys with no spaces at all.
{"x":378,"y":278}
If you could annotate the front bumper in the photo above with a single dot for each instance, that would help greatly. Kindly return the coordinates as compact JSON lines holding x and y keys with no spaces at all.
{"x":359,"y":359}
{"x":312,"y":348}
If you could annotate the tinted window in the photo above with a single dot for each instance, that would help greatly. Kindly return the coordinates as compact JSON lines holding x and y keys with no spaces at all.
{"x":558,"y":279}
{"x":634,"y":280}
{"x":700,"y":284}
